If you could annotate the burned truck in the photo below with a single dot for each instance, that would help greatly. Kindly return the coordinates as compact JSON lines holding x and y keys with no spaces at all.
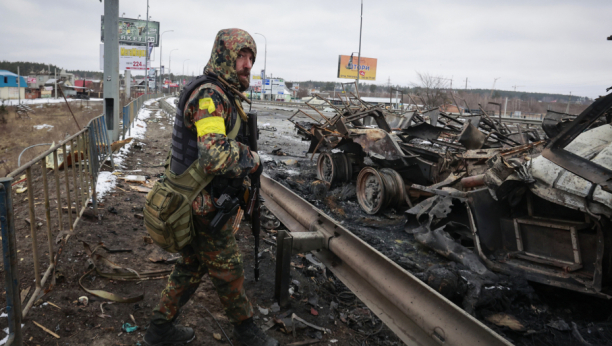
{"x":492,"y":195}
{"x":545,"y":214}
{"x":385,"y":151}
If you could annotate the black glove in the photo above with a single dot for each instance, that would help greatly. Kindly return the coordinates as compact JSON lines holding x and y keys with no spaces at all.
{"x":259,"y":169}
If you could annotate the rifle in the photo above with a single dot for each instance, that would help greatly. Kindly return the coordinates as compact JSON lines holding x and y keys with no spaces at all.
{"x":253,"y":208}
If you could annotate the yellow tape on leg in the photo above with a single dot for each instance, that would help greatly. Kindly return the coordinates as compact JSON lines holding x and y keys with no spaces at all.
{"x":210,"y":125}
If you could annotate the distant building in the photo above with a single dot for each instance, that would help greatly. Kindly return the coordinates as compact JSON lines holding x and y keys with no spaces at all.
{"x":39,"y":80}
{"x":9,"y":88}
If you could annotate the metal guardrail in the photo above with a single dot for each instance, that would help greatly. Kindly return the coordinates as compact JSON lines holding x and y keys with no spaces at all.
{"x":417,"y":314}
{"x":80,"y":156}
{"x":131,"y":111}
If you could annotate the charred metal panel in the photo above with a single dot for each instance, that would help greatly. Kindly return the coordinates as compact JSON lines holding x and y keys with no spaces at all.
{"x":555,"y":150}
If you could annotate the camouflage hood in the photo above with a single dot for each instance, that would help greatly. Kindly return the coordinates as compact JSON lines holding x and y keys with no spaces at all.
{"x":225,"y":52}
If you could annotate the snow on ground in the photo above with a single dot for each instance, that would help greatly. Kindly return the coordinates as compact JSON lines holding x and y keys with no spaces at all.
{"x":106,"y":180}
{"x":265,"y":158}
{"x":41,"y":101}
{"x":6,"y":330}
{"x":43,"y":126}
{"x":170,"y":101}
{"x":106,"y":183}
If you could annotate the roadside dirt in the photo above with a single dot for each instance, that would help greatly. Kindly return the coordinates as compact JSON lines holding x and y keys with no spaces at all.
{"x":47,"y":123}
{"x":58,"y":310}
{"x":546,"y":313}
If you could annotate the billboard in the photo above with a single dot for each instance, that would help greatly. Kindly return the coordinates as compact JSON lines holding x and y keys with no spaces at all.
{"x":130,"y":57}
{"x":347,"y":67}
{"x":273,"y":86}
{"x":256,"y":81}
{"x":134,"y":32}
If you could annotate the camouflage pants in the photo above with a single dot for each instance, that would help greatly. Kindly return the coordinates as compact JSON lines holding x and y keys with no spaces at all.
{"x":216,"y":254}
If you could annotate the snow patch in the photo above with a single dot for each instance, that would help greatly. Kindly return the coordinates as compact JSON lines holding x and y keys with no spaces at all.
{"x":106,"y":182}
{"x":265,"y":158}
{"x":43,"y":101}
{"x":43,"y":126}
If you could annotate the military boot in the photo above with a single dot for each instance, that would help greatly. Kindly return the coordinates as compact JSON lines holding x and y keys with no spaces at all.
{"x":168,"y":334}
{"x":249,"y":334}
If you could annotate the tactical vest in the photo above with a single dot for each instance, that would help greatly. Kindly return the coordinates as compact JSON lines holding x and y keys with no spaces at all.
{"x":167,"y":214}
{"x":184,"y":140}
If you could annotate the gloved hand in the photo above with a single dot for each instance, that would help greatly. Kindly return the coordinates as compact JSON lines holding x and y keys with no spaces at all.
{"x":258,"y":169}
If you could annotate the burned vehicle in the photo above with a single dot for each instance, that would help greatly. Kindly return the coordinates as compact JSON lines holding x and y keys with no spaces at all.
{"x":384,"y":151}
{"x":544,"y":216}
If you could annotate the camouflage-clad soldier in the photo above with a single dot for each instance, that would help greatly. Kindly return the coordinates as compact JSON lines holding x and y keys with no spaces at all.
{"x":210,"y":115}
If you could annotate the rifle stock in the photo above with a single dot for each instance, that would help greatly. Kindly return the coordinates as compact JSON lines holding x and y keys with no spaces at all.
{"x":255,"y":185}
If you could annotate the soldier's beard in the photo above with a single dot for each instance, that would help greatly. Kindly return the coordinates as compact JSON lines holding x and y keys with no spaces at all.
{"x":244,"y":83}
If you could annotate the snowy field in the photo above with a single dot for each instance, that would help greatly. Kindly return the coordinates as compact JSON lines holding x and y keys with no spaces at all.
{"x":42,"y":101}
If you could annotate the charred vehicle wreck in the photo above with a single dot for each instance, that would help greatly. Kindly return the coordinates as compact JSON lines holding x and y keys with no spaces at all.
{"x":546,"y":217}
{"x":492,"y":195}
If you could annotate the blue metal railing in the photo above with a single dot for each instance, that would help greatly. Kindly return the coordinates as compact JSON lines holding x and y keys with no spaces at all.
{"x":131,"y":111}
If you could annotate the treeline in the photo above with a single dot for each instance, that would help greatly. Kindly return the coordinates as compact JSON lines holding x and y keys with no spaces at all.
{"x":497,"y":94}
{"x":30,"y":68}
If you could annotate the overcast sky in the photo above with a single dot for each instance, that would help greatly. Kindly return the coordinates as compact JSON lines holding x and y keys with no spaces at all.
{"x":538,"y":45}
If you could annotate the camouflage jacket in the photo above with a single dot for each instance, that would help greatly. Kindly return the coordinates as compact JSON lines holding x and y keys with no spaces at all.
{"x":208,"y":110}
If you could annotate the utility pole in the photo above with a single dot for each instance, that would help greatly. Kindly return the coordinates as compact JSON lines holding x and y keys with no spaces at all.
{"x":55,"y":82}
{"x":111,"y":68}
{"x":466,"y":83}
{"x":161,"y":77}
{"x":359,"y":54}
{"x":569,"y":100}
{"x":147,"y":59}
{"x":18,"y":85}
{"x":493,"y":87}
{"x":265,"y":60}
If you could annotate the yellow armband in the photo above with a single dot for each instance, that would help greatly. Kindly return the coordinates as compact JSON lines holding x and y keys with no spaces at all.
{"x":210,"y":125}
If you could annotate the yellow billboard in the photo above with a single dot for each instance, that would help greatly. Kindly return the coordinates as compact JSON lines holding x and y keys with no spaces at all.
{"x":347,"y":67}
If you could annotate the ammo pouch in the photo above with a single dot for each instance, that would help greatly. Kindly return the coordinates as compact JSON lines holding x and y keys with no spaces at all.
{"x":168,"y":211}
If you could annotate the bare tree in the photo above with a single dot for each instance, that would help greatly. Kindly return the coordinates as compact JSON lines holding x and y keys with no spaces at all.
{"x":431,"y":89}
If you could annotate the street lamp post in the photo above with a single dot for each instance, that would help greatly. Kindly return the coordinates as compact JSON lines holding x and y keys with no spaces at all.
{"x":161,"y":78}
{"x":359,"y":56}
{"x":170,"y":60}
{"x":170,"y":63}
{"x":265,"y":58}
{"x":184,"y":65}
{"x":147,"y":52}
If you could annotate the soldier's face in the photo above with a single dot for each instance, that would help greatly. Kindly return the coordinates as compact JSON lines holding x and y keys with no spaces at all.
{"x":244,"y":63}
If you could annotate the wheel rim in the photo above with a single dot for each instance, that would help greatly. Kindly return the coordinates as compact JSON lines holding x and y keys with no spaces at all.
{"x":370,"y":190}
{"x":377,"y":190}
{"x":334,"y":168}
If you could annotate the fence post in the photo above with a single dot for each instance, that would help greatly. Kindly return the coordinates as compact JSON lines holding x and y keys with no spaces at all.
{"x":9,"y":257}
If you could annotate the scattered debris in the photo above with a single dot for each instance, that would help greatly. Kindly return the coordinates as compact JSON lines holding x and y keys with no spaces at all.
{"x":128,"y":328}
{"x":278,"y":152}
{"x":505,"y":320}
{"x":83,"y":300}
{"x":46,"y":330}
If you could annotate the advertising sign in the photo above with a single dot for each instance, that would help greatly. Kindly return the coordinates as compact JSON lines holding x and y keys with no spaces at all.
{"x":134,"y":32}
{"x":31,"y":80}
{"x":256,"y":81}
{"x":347,"y":67}
{"x":273,"y":86}
{"x":130,"y":57}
